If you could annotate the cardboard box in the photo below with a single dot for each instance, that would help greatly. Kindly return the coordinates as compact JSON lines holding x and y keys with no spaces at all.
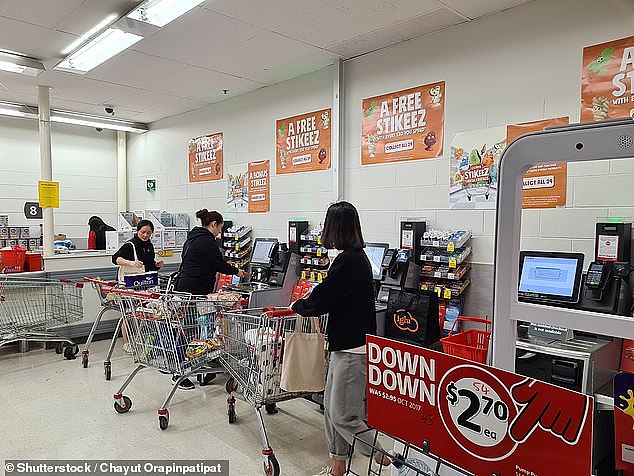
{"x":11,"y":242}
{"x":4,"y":220}
{"x":4,"y":233}
{"x":34,"y":243}
{"x":2,"y":243}
{"x":23,"y":243}
{"x":14,"y":232}
{"x":59,"y":237}
{"x":25,"y":232}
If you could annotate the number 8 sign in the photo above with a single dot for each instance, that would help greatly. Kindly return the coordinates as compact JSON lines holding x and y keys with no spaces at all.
{"x":32,"y":211}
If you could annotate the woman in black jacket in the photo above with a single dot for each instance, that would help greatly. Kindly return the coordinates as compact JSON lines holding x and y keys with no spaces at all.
{"x":347,"y":295}
{"x":202,"y":257}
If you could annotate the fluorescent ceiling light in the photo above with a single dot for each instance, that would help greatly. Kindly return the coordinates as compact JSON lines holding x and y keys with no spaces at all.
{"x":94,"y":30}
{"x":161,"y":12}
{"x":67,"y":117}
{"x":96,"y":51}
{"x":16,"y":63}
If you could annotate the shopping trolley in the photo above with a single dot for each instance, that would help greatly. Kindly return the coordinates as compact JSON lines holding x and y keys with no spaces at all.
{"x":252,"y":356}
{"x":30,"y":310}
{"x":109,"y":302}
{"x":174,"y":333}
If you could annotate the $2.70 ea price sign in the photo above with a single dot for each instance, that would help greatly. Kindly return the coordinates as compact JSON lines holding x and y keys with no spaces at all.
{"x":480,"y":418}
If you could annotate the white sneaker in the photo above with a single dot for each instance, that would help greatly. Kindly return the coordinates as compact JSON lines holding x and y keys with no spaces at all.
{"x":127,"y":348}
{"x":325,"y":471}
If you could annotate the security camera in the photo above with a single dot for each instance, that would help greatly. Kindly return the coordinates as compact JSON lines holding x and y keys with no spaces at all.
{"x":98,"y":129}
{"x":109,"y":110}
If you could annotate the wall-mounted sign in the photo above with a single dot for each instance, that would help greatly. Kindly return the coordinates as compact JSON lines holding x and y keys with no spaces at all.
{"x":403,"y":125}
{"x":544,"y":184}
{"x":150,"y":185}
{"x":607,"y":81}
{"x":48,"y":194}
{"x":237,"y":188}
{"x":205,"y":158}
{"x":303,"y":142}
{"x":259,"y":186}
{"x":32,"y":211}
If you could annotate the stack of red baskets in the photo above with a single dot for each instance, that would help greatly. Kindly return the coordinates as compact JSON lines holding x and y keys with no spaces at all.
{"x":472,"y":344}
{"x":12,"y":261}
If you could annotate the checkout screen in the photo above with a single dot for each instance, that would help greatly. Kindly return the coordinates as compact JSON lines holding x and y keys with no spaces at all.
{"x":262,"y":251}
{"x":544,"y":275}
{"x":375,"y":255}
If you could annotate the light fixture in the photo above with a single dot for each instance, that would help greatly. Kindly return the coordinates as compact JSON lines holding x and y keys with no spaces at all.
{"x":96,"y":51}
{"x":93,"y":31}
{"x":161,"y":12}
{"x":17,"y":63}
{"x":76,"y":118}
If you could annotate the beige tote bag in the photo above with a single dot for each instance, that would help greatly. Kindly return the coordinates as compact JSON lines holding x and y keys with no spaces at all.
{"x":125,"y":270}
{"x":303,"y":360}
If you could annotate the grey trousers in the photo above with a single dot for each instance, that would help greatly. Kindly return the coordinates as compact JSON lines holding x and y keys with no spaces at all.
{"x":345,"y":404}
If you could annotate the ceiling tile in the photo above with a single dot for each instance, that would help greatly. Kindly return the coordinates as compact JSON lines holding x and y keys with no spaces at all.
{"x":31,"y":40}
{"x":271,"y":58}
{"x":472,"y":9}
{"x":343,"y":20}
{"x":197,"y":38}
{"x":265,"y":14}
{"x":92,"y":12}
{"x":47,"y":14}
{"x":397,"y":33}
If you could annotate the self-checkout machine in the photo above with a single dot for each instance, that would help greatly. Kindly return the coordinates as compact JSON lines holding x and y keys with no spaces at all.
{"x":594,"y":360}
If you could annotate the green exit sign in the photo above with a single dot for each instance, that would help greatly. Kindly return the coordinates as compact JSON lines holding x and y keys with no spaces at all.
{"x":151,"y":185}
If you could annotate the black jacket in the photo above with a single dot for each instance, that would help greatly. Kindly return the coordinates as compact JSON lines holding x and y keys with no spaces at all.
{"x":347,"y":294}
{"x":97,"y":225}
{"x":202,"y":259}
{"x":144,"y":251}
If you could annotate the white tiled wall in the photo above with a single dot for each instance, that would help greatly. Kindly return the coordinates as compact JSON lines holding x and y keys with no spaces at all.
{"x":84,"y":162}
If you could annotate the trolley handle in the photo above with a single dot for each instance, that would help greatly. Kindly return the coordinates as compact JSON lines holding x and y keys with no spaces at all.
{"x":279,"y":313}
{"x":468,"y":319}
{"x":98,"y":281}
{"x":130,"y":292}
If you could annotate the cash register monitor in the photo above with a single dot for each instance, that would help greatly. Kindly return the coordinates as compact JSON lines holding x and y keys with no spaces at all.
{"x":376,"y":252}
{"x":263,"y":251}
{"x":550,"y":277}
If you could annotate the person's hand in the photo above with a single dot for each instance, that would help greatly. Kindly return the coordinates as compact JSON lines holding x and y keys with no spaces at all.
{"x":243,"y":274}
{"x":540,"y":409}
{"x":160,"y":264}
{"x":137,"y":264}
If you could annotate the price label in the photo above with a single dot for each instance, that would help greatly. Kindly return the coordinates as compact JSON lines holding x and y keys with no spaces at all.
{"x":438,"y":290}
{"x":453,"y":263}
{"x":446,"y":294}
{"x":437,"y":274}
{"x":320,"y":278}
{"x":451,"y":247}
{"x":319,"y":240}
{"x":237,"y":237}
{"x":303,"y":274}
{"x":318,"y":252}
{"x":312,"y":275}
{"x":435,"y":243}
{"x":237,"y":246}
{"x":476,"y":409}
{"x":437,"y":259}
{"x":451,"y":276}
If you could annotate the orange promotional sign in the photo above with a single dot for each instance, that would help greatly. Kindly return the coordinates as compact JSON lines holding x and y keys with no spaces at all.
{"x":403,"y":125}
{"x":259,"y":186}
{"x":544,"y":184}
{"x":205,"y":158}
{"x":303,"y":142}
{"x":607,"y":81}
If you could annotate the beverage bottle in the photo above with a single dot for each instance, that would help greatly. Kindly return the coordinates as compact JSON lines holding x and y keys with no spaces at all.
{"x":422,"y":469}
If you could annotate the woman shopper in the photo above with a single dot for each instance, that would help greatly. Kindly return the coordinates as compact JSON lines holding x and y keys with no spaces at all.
{"x":201,"y":260}
{"x":136,"y":256}
{"x":347,"y":295}
{"x":97,"y":233}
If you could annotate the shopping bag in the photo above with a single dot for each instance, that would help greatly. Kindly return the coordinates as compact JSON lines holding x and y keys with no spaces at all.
{"x":303,"y":361}
{"x":125,"y":270}
{"x":412,"y":316}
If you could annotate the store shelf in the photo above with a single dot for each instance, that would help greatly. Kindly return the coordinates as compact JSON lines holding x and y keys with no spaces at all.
{"x":237,"y":245}
{"x":314,"y":275}
{"x":447,"y":289}
{"x":311,"y":238}
{"x":454,"y":259}
{"x":318,"y":250}
{"x":461,"y":239}
{"x":238,"y":263}
{"x":315,"y":262}
{"x":441,"y":271}
{"x":238,"y":254}
{"x":236,"y":234}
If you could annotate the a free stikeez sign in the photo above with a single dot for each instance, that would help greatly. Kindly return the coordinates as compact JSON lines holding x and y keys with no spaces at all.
{"x":480,"y":418}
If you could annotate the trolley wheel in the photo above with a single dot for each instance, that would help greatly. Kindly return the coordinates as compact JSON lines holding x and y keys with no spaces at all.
{"x":231,"y":412}
{"x":469,"y":197}
{"x":84,"y":360}
{"x":164,"y":421}
{"x":127,"y":404}
{"x":107,"y":370}
{"x":205,"y":379}
{"x":486,"y":195}
{"x":59,"y":347}
{"x":71,"y":351}
{"x":271,"y":466}
{"x":231,"y":385}
{"x":271,"y":408}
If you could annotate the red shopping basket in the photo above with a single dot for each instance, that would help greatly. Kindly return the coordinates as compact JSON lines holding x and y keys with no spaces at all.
{"x":472,"y":344}
{"x":12,"y":261}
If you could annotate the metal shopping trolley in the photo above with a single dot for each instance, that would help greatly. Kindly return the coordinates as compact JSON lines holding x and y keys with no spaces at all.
{"x":253,"y":351}
{"x":109,"y":302}
{"x":174,"y":333}
{"x":31,"y":309}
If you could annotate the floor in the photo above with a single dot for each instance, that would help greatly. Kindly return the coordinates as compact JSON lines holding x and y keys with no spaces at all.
{"x":54,"y":408}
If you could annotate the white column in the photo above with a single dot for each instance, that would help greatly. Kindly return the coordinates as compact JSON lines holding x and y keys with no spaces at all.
{"x":46,"y":164}
{"x":337,"y":130}
{"x":122,"y":171}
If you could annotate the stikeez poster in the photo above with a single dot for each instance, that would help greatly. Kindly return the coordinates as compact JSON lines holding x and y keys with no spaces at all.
{"x":403,"y":125}
{"x":303,"y":142}
{"x":482,"y":419}
{"x":474,"y":168}
{"x":544,"y":185}
{"x":607,"y":81}
{"x":205,"y":158}
{"x":259,"y":186}
{"x":237,"y":188}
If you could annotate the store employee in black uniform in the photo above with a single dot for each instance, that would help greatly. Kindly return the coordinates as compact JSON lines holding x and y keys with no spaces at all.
{"x":347,"y":295}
